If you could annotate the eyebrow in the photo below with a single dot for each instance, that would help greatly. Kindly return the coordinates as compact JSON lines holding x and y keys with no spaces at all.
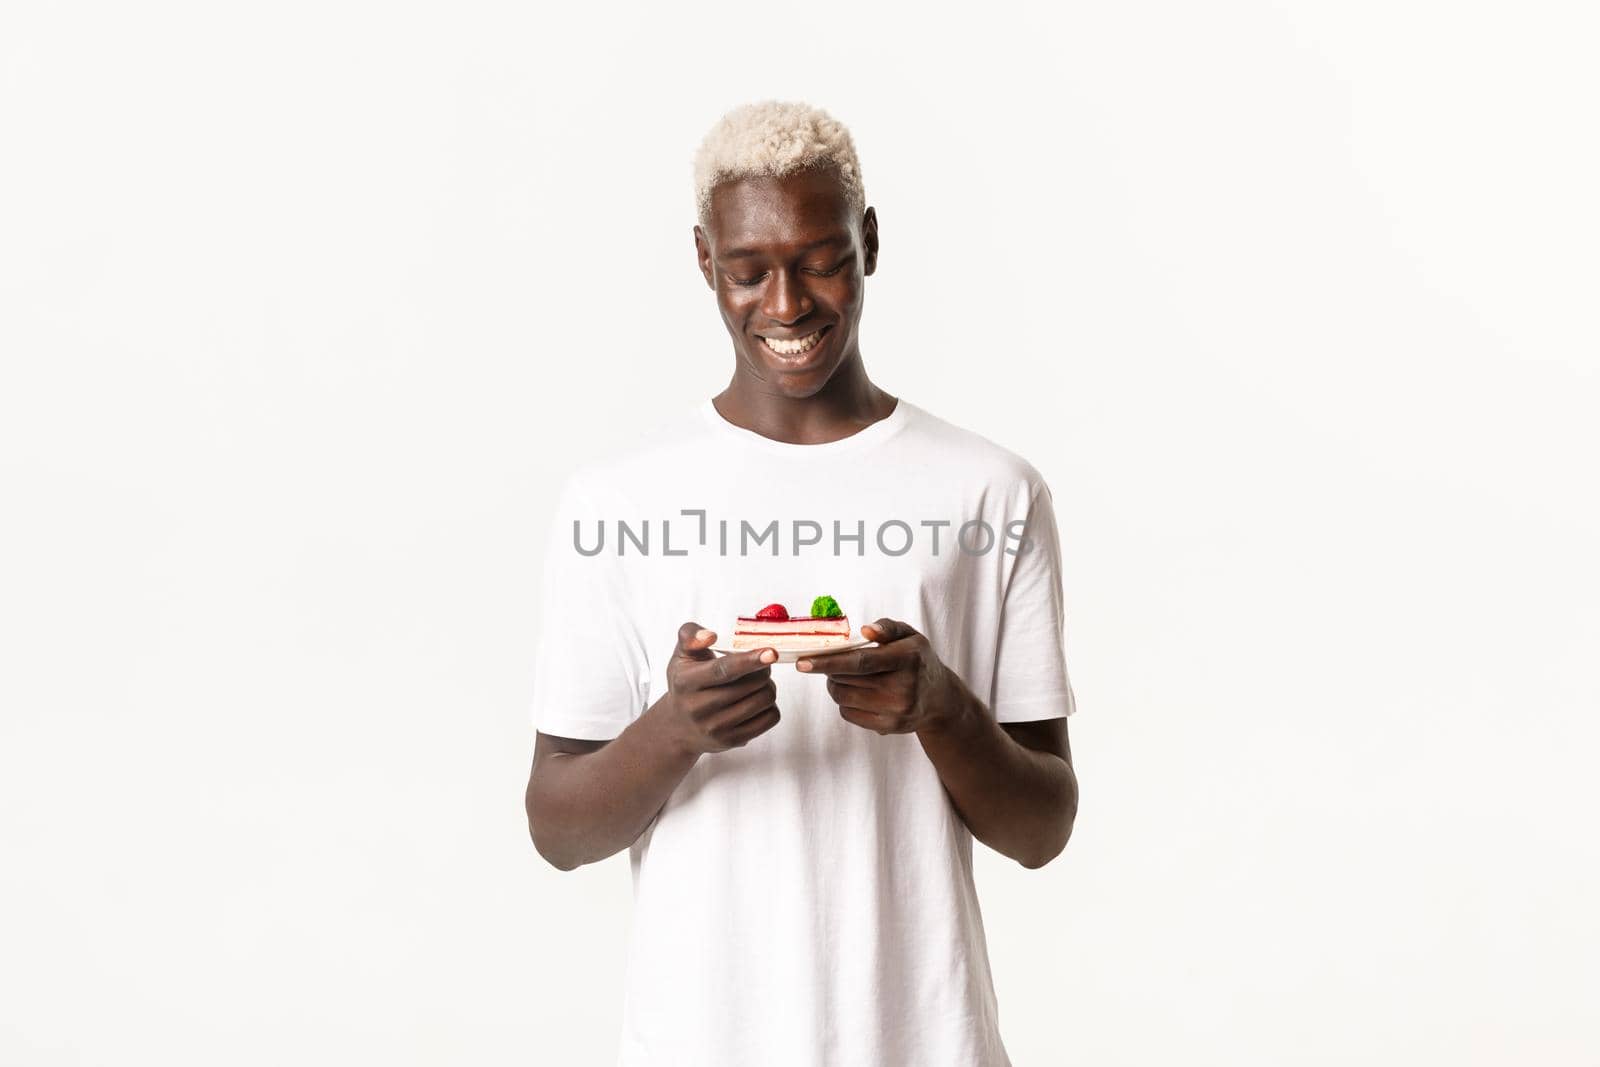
{"x":745,"y":253}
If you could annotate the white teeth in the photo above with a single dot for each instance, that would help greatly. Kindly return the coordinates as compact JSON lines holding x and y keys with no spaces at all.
{"x":793,"y":348}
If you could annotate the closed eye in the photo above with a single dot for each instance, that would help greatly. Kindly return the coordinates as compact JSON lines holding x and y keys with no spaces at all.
{"x":747,"y":283}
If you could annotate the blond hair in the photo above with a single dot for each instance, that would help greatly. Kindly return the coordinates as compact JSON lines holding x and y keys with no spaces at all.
{"x":772,"y":138}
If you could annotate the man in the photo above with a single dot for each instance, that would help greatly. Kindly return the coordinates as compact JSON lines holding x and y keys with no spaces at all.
{"x":801,"y":837}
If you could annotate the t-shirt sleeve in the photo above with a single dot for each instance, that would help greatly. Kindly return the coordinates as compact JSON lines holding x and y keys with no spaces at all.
{"x":1030,"y":677}
{"x":590,"y":669}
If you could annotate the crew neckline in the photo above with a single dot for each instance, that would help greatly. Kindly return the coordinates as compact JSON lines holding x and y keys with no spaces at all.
{"x":870,"y":434}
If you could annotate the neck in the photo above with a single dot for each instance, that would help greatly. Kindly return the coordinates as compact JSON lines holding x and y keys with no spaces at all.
{"x":847,"y":404}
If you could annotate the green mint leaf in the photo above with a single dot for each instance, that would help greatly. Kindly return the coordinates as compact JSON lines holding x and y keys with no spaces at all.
{"x":825,"y":607}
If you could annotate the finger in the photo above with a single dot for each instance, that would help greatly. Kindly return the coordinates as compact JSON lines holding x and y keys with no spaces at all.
{"x":867,"y":698}
{"x":703,"y":703}
{"x":856,"y":661}
{"x":858,"y":682}
{"x":886,"y":630}
{"x":868,"y":720}
{"x":728,"y":668}
{"x":726,"y":719}
{"x":754,"y":726}
{"x":694,"y":642}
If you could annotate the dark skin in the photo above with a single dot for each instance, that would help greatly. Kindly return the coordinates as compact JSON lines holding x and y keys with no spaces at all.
{"x":787,"y":257}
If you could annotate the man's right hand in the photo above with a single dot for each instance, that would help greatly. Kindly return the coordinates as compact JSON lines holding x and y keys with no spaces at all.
{"x":714,"y":702}
{"x":587,"y":800}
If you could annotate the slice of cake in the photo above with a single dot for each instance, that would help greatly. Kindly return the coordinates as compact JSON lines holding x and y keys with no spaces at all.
{"x":772,"y":627}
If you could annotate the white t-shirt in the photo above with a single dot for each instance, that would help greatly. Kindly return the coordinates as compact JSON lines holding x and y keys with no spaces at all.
{"x":806,"y":899}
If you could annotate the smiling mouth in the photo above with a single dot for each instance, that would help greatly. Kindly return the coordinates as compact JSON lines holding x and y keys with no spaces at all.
{"x":797,"y":347}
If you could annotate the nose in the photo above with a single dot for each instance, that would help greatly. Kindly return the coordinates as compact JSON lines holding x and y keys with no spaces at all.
{"x":786,"y":299}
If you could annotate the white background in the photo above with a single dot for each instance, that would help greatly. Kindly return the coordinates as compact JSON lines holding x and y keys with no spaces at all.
{"x":306,"y":308}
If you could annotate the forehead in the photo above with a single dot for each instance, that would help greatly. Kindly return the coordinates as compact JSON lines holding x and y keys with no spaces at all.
{"x":779,"y":213}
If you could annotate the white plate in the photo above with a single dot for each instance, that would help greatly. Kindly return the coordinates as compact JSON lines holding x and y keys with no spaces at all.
{"x":789,"y":655}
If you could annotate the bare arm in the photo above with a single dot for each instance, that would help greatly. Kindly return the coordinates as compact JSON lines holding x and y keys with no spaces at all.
{"x":587,"y":800}
{"x":1013,"y":784}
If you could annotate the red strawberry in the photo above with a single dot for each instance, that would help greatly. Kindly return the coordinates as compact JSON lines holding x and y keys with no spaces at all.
{"x":774,"y":613}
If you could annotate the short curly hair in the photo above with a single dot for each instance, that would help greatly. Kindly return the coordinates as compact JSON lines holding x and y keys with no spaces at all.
{"x":772,"y":138}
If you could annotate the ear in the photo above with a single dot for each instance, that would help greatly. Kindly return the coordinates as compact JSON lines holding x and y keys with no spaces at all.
{"x":869,"y":239}
{"x":702,"y":251}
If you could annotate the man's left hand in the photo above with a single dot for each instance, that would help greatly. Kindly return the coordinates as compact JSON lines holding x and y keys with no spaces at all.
{"x":899,"y":687}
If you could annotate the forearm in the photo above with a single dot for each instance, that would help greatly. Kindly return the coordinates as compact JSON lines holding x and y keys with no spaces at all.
{"x":1020,"y":802}
{"x":583,"y":807}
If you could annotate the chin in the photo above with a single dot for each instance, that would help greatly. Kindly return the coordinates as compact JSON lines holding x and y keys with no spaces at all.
{"x":800,"y":391}
{"x":799,"y":386}
{"x":794,"y":383}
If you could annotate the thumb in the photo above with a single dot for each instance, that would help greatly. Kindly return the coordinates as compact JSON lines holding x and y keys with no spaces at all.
{"x":885,"y":630}
{"x":694,"y":642}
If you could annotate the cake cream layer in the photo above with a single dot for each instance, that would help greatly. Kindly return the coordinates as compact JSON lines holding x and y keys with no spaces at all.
{"x":839,"y":624}
{"x":779,"y":642}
